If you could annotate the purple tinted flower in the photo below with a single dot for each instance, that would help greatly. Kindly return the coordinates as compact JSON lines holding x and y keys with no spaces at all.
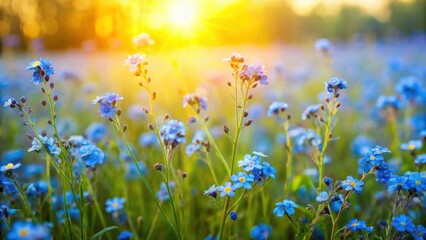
{"x":254,"y":72}
{"x":276,"y":107}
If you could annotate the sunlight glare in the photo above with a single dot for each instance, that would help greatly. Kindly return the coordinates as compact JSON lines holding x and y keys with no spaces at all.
{"x":183,"y":15}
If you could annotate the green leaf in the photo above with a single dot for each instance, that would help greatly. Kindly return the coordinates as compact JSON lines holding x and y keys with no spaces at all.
{"x":102,"y":232}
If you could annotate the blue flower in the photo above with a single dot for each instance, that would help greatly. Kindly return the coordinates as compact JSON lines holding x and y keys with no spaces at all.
{"x":352,"y":184}
{"x":10,"y":167}
{"x":114,"y":204}
{"x":5,"y":212}
{"x":328,"y":182}
{"x":286,"y":206}
{"x":322,"y":196}
{"x":250,"y":162}
{"x":211,"y":191}
{"x":42,"y":69}
{"x":336,"y":202}
{"x":409,"y":88}
{"x":420,"y":159}
{"x":268,"y":170}
{"x":226,"y":190}
{"x":242,"y":180}
{"x":412,"y":145}
{"x":133,"y":172}
{"x":37,"y":189}
{"x":384,"y":102}
{"x":355,"y":225}
{"x":91,"y":155}
{"x":261,"y":232}
{"x":195,"y":99}
{"x":254,"y":72}
{"x":233,"y":215}
{"x":97,"y":132}
{"x":191,"y":149}
{"x":403,"y":223}
{"x":125,"y":235}
{"x":172,"y":133}
{"x":28,"y":231}
{"x":311,"y":111}
{"x":10,"y":103}
{"x":420,"y":233}
{"x":148,"y":139}
{"x":276,"y":107}
{"x":163,"y":194}
{"x":335,"y":84}
{"x":49,"y":143}
{"x":416,"y":181}
{"x":397,"y":183}
{"x":13,"y":156}
{"x":107,"y":110}
{"x":111,"y":98}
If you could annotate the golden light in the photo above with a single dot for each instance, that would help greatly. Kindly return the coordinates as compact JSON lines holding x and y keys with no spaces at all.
{"x":183,"y":15}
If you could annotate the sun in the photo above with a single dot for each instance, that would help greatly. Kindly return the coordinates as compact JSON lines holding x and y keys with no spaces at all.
{"x":183,"y":15}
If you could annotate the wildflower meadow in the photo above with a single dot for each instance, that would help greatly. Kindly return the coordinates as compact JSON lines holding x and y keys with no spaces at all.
{"x":324,"y":139}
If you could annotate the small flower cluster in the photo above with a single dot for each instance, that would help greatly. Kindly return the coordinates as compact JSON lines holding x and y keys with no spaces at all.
{"x":86,"y":151}
{"x":276,"y":108}
{"x":374,"y":158}
{"x":356,"y":225}
{"x":197,"y":100}
{"x":172,"y":133}
{"x":47,"y":142}
{"x":255,"y":73}
{"x":285,"y":207}
{"x":42,"y":70}
{"x":311,"y":111}
{"x":255,"y":172}
{"x":136,"y":62}
{"x":107,"y":104}
{"x":335,"y":84}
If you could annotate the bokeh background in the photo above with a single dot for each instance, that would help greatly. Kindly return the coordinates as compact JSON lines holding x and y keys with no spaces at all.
{"x":111,"y":24}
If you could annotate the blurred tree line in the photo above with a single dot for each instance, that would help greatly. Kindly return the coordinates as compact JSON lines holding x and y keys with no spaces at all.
{"x":63,"y":24}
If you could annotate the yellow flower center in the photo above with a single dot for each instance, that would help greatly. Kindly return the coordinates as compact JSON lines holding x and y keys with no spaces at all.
{"x":9,"y":166}
{"x":417,"y":182}
{"x":115,"y":205}
{"x":242,"y":179}
{"x":353,"y":184}
{"x":411,"y":147}
{"x":227,"y":189}
{"x":403,"y":223}
{"x":36,"y":63}
{"x":420,"y":234}
{"x":354,"y":224}
{"x":23,"y":232}
{"x":373,"y":158}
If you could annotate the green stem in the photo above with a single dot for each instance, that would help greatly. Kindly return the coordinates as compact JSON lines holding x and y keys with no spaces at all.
{"x":24,"y":199}
{"x":144,"y":180}
{"x":328,"y":130}
{"x":154,"y":222}
{"x":289,"y":164}
{"x":97,"y":206}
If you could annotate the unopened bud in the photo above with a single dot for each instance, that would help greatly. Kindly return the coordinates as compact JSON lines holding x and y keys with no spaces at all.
{"x":248,"y":123}
{"x":154,"y":95}
{"x":158,"y":166}
{"x":43,"y":103}
{"x":124,"y":128}
{"x":225,"y":129}
{"x":55,"y":98}
{"x":151,"y":127}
